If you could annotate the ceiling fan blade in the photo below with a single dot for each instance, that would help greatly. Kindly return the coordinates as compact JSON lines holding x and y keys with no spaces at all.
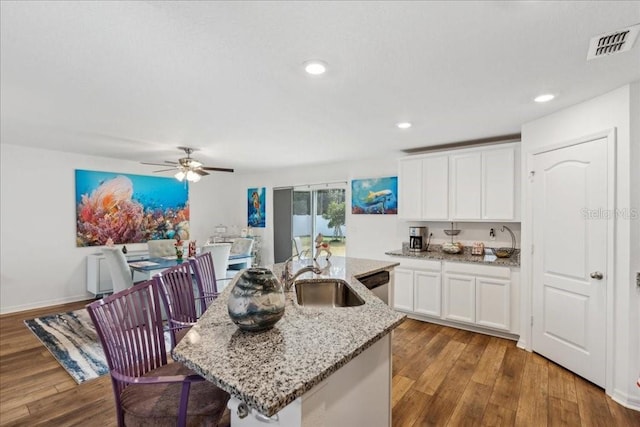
{"x":209,"y":168}
{"x":200,"y":172}
{"x":164,"y":170}
{"x":154,"y":164}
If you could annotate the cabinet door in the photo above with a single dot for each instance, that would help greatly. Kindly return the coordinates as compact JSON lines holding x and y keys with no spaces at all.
{"x":459,"y":298}
{"x":498,"y":184}
{"x":410,"y":189}
{"x":105,"y":284}
{"x":435,"y":188}
{"x":403,"y":289}
{"x":466,"y":185}
{"x":426,"y":293}
{"x":493,"y":306}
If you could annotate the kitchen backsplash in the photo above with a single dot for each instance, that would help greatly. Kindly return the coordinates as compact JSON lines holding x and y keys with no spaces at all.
{"x":470,"y":232}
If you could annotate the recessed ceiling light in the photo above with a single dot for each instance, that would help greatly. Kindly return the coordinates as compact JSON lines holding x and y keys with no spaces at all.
{"x":403,"y":125}
{"x":315,"y":67}
{"x":544,"y":98}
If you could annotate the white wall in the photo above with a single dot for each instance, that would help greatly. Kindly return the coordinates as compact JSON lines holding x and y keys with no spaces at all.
{"x":618,"y":109}
{"x":369,"y":235}
{"x":40,"y":264}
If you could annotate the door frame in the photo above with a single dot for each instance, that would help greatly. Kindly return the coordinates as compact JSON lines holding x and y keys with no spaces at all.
{"x":527,"y":294}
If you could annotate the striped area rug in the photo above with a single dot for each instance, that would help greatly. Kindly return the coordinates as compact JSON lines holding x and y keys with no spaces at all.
{"x":72,"y":340}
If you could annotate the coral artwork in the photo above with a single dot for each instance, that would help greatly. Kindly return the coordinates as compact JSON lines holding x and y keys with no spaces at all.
{"x":128,"y":208}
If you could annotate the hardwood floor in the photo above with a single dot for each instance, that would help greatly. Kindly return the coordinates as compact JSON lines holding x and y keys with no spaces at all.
{"x":449,"y":377}
{"x":442,"y":376}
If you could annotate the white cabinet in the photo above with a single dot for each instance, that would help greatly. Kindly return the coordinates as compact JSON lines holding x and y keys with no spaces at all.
{"x":403,"y":289}
{"x":466,"y":186}
{"x":435,"y":188}
{"x":417,"y":287}
{"x":474,"y":184}
{"x":99,"y":276}
{"x":478,"y":297}
{"x":426,"y":292}
{"x":459,"y":298}
{"x":478,"y":294}
{"x":424,"y":188}
{"x":409,"y":189}
{"x":498,"y":183}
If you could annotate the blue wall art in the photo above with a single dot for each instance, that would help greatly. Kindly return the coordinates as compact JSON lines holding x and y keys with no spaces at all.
{"x":129,"y":208}
{"x":374,"y":195}
{"x":256,"y":207}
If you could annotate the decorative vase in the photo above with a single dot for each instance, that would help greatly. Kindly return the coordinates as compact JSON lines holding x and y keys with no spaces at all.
{"x":179,"y":254}
{"x":256,"y":301}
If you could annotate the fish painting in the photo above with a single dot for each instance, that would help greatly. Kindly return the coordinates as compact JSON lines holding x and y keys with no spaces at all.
{"x":374,"y":196}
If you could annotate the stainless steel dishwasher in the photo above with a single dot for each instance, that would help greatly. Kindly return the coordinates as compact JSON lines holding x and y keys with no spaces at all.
{"x":378,"y":283}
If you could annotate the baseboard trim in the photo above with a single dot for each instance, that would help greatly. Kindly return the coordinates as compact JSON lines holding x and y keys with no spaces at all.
{"x":44,"y":304}
{"x":463,"y":326}
{"x":626,"y":400}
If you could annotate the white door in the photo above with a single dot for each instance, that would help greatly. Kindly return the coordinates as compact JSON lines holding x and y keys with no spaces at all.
{"x":569,"y":259}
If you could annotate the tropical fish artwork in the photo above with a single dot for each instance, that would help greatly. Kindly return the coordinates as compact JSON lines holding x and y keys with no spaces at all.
{"x":374,"y":196}
{"x":129,"y":208}
{"x":256,"y":207}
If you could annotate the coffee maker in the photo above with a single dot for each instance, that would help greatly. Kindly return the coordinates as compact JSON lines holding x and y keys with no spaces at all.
{"x":418,"y":239}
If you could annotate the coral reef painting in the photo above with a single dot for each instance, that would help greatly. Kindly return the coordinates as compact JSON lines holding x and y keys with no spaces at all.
{"x":129,"y":208}
{"x":256,"y":207}
{"x":374,"y":195}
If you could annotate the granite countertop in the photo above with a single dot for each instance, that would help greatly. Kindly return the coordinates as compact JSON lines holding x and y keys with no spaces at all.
{"x":435,"y":253}
{"x":268,"y":370}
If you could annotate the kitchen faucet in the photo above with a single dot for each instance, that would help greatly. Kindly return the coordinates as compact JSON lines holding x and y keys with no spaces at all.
{"x":288,"y":278}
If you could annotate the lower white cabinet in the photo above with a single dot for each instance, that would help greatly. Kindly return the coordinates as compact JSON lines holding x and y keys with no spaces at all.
{"x":478,"y":294}
{"x":417,"y":289}
{"x":455,"y":293}
{"x":98,"y":274}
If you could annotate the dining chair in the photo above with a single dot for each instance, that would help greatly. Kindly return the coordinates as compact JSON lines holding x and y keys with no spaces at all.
{"x":149,"y":390}
{"x":176,"y":288}
{"x":204,"y":270}
{"x":220,"y":254}
{"x":121,"y":274}
{"x":160,"y":248}
{"x":242,"y":246}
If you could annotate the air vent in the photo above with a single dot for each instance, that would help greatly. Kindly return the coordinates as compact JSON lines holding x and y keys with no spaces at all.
{"x":615,"y":42}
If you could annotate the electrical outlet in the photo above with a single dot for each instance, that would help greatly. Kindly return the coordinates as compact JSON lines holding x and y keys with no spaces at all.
{"x":492,"y":234}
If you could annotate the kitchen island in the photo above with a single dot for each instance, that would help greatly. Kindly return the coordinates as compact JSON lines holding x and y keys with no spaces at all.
{"x":317,"y":365}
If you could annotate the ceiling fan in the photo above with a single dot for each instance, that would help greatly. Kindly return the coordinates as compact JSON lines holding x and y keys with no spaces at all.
{"x":188,"y":168}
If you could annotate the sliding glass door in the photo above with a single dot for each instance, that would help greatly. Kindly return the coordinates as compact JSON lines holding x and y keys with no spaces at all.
{"x":315,"y":212}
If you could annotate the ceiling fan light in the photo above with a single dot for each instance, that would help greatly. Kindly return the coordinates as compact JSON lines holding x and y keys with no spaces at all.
{"x":180,"y":175}
{"x":195,"y":164}
{"x":192,"y":176}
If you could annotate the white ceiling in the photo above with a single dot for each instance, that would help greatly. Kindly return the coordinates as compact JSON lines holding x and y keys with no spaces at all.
{"x":134,"y":80}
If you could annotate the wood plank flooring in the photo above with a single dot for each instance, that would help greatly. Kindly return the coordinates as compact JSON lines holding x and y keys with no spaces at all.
{"x":442,"y":377}
{"x":449,"y":377}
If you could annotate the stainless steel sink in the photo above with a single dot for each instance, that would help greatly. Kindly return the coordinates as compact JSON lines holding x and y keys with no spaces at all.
{"x":326,"y":293}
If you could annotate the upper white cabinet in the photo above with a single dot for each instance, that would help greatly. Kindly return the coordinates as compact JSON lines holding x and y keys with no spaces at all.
{"x":466,"y":185}
{"x":435,"y":188}
{"x":476,"y":184}
{"x":424,"y":187}
{"x":499,"y":183}
{"x":410,"y":188}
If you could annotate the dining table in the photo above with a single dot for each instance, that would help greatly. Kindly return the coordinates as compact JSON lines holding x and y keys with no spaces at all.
{"x":148,"y":267}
